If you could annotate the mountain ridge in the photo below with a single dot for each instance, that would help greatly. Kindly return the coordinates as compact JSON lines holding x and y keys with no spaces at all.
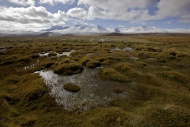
{"x":58,"y":30}
{"x":87,"y":30}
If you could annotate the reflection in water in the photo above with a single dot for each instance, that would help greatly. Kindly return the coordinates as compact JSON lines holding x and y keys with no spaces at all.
{"x":94,"y":92}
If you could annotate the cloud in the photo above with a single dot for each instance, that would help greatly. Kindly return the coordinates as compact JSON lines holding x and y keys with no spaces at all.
{"x":118,"y":5}
{"x":130,"y":10}
{"x":53,"y":2}
{"x":77,"y":13}
{"x":173,"y":8}
{"x":137,"y":10}
{"x":94,"y":12}
{"x":30,"y":17}
{"x":23,"y":2}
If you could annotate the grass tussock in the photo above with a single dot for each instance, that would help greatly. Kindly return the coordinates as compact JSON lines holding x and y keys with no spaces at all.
{"x":158,"y":91}
{"x":126,"y":69}
{"x":93,"y":64}
{"x":112,"y":117}
{"x":174,"y":76}
{"x":84,"y":60}
{"x":69,"y":69}
{"x":13,"y":79}
{"x":169,"y":115}
{"x":71,"y":87}
{"x":113,"y":75}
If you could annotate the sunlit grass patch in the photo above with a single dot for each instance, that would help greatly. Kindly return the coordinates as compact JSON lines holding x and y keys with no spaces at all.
{"x":174,"y":76}
{"x":113,"y":75}
{"x":169,"y":115}
{"x":127,"y":69}
{"x":69,"y":69}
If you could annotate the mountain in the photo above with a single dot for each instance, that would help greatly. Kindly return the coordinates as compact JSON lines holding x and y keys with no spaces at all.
{"x":143,"y":29}
{"x":100,"y":28}
{"x":50,"y":34}
{"x":113,"y":30}
{"x":93,"y":30}
{"x":178,"y":30}
{"x":77,"y":29}
{"x":56,"y":28}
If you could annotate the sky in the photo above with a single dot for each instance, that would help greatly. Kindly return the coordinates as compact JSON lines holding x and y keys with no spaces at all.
{"x":34,"y":15}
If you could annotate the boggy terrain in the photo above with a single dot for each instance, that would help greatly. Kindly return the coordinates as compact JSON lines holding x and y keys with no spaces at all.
{"x":95,"y":81}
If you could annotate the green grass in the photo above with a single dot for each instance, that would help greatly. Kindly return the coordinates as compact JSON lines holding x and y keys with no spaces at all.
{"x":113,"y":75}
{"x":71,"y":87}
{"x":158,"y":90}
{"x":69,"y":69}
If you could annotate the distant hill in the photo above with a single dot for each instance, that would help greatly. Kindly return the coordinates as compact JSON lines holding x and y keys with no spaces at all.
{"x":96,"y":30}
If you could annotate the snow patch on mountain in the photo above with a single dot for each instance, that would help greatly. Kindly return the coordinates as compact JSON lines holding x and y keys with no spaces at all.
{"x":93,"y":30}
{"x":143,"y":29}
{"x":79,"y":29}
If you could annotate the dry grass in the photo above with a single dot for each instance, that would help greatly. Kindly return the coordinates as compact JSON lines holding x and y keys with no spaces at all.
{"x":113,"y":75}
{"x":69,"y":69}
{"x":71,"y":87}
{"x":158,"y":90}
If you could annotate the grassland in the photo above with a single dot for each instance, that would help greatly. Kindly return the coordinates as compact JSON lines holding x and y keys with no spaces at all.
{"x":159,"y":67}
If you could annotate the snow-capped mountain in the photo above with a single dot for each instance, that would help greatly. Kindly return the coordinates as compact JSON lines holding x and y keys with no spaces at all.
{"x":178,"y":30}
{"x":114,"y":30}
{"x":146,"y":29}
{"x":93,"y":30}
{"x":56,"y":28}
{"x":78,"y":29}
{"x":143,"y":29}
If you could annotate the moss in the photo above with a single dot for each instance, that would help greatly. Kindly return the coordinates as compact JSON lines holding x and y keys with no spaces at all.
{"x":111,"y":74}
{"x":69,"y":69}
{"x":93,"y":64}
{"x":71,"y":87}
